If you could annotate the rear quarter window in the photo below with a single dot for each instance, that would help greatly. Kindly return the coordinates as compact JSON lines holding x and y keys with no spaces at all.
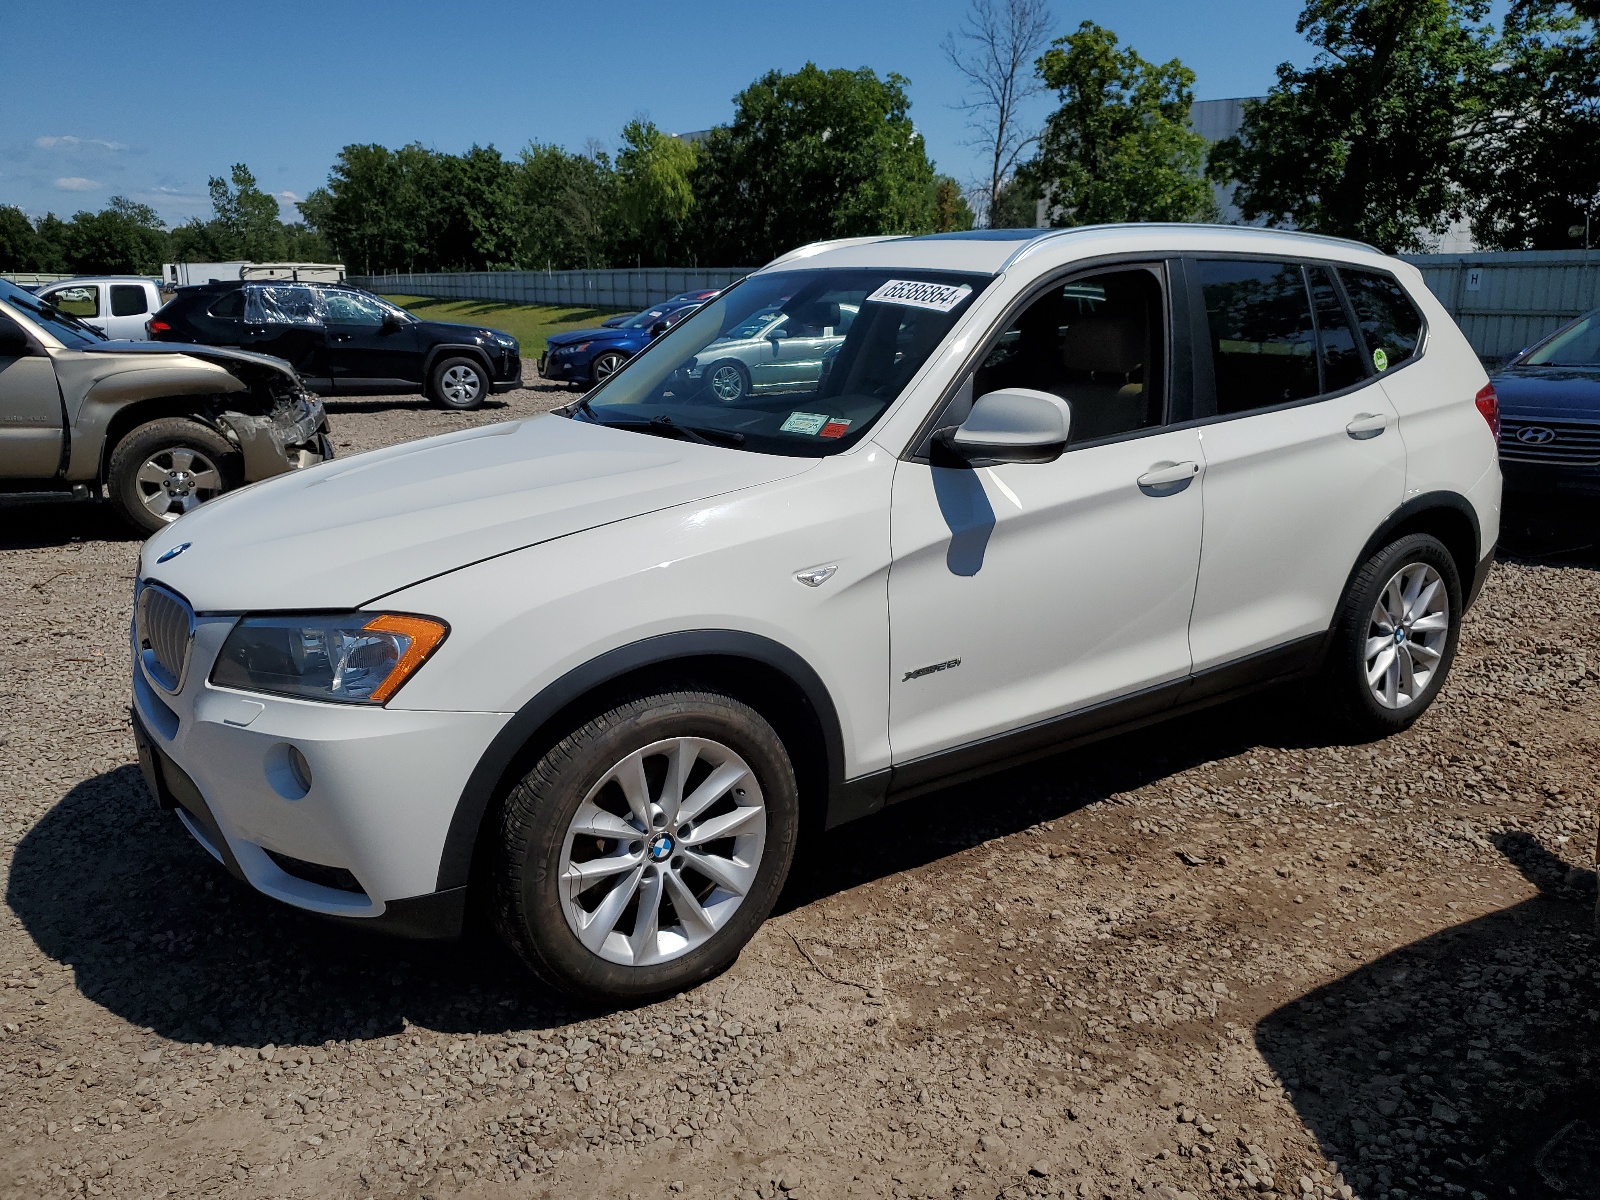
{"x":1390,"y":322}
{"x":128,"y":300}
{"x":228,"y":307}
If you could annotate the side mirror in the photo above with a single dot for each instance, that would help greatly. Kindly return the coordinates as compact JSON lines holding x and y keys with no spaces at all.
{"x":13,"y":342}
{"x":659,"y":328}
{"x":1014,"y":425}
{"x":391,"y":321}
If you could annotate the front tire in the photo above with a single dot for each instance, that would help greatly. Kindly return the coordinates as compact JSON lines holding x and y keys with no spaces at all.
{"x":606,"y":365}
{"x":1396,"y":635}
{"x":645,"y":848}
{"x":169,"y":467}
{"x":458,"y":383}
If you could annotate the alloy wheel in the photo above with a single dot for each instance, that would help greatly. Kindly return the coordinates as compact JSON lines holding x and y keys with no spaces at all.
{"x":606,"y":366}
{"x":727,"y":384}
{"x":1406,"y":637}
{"x":662,"y":851}
{"x":176,"y":480}
{"x":460,"y":384}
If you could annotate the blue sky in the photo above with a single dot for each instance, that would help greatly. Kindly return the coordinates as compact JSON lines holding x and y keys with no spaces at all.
{"x":148,"y":101}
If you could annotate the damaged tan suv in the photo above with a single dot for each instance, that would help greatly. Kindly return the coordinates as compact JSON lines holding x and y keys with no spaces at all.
{"x":154,"y":427}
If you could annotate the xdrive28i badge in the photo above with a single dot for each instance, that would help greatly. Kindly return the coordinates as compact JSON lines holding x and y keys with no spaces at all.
{"x":174,"y":552}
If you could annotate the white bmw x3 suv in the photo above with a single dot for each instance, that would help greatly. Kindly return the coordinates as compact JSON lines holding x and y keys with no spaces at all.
{"x":607,"y":664}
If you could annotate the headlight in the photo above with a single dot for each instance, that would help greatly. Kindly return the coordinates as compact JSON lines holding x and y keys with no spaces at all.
{"x":350,"y":658}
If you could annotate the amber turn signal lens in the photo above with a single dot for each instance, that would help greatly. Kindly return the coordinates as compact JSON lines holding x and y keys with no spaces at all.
{"x":424,"y":637}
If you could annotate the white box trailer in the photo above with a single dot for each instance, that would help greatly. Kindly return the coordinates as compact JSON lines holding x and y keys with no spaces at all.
{"x":188,"y":274}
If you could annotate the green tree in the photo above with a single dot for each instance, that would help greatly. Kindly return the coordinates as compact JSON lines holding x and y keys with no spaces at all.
{"x":565,"y":206}
{"x":1372,"y":139}
{"x":22,"y":248}
{"x":1533,"y":183}
{"x":124,"y":238}
{"x":654,"y":194}
{"x":247,"y":217}
{"x":951,"y":212}
{"x":811,"y":155}
{"x":1120,"y":147}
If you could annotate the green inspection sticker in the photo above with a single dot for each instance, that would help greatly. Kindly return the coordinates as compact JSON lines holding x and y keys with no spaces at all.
{"x":1380,"y":359}
{"x":804,"y":422}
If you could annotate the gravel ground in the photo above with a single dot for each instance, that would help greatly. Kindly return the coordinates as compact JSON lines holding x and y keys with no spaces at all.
{"x":1226,"y":954}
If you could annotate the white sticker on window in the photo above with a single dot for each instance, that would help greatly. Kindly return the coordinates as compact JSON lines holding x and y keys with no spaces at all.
{"x":940,"y":297}
{"x":804,"y":422}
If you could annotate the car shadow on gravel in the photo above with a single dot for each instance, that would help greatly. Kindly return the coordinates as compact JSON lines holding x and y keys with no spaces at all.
{"x":376,"y":404}
{"x":1548,"y":532}
{"x":158,"y":933}
{"x":32,"y":525}
{"x":927,"y":827}
{"x":1466,"y":1063}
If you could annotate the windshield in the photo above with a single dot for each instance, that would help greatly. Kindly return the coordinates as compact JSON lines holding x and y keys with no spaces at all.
{"x":1578,"y":345}
{"x":792,"y":362}
{"x":68,"y":330}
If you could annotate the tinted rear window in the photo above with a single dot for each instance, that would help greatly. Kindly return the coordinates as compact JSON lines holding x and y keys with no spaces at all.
{"x":228,"y":307}
{"x":1389,"y":321}
{"x":1341,"y":360}
{"x":1263,"y":341}
{"x":128,"y":300}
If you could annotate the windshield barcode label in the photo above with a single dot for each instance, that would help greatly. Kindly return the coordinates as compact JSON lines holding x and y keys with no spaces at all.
{"x":940,"y":297}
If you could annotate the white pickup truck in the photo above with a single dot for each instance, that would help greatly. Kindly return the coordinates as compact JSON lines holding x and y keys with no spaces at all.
{"x":117,"y":305}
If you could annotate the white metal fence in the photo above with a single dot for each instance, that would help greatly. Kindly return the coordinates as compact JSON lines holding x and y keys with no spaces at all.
{"x":1503,"y":301}
{"x":630,"y":288}
{"x":1507,"y":300}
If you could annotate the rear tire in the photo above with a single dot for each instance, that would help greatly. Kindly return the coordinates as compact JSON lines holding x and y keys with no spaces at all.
{"x":727,"y":382}
{"x":458,"y":383}
{"x":169,"y":467}
{"x":1395,"y":637}
{"x":615,"y":883}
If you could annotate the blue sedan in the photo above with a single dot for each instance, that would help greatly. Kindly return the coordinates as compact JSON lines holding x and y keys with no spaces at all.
{"x":1550,"y":413}
{"x":590,"y":356}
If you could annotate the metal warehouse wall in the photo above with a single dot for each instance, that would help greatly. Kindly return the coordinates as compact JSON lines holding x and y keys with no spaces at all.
{"x":632,"y":288}
{"x":1505,"y":301}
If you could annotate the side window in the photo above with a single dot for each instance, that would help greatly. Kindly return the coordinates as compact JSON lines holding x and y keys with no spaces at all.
{"x":348,"y":308}
{"x":1097,"y":342}
{"x":230,"y":307}
{"x":288,"y":304}
{"x":128,"y":300}
{"x":1341,"y":360}
{"x":81,"y":301}
{"x":1263,"y":342}
{"x":1389,"y":321}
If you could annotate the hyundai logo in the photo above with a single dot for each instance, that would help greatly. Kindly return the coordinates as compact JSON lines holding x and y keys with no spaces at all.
{"x":182,"y":546}
{"x":1535,"y":435}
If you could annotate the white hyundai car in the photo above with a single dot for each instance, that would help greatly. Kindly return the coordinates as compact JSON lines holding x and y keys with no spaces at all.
{"x":608,"y":664}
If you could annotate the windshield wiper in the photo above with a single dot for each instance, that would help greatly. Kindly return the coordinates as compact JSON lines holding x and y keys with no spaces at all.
{"x":665,"y":426}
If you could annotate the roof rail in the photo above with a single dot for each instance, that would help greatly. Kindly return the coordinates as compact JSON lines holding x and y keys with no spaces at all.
{"x":1053,"y":234}
{"x":811,"y":248}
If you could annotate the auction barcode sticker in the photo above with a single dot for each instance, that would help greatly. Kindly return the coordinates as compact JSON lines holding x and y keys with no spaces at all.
{"x":940,"y":297}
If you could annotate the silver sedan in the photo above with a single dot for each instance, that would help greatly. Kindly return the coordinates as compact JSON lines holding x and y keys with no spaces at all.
{"x":773,"y":351}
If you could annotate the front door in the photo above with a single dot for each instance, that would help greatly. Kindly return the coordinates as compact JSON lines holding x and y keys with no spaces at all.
{"x":285,"y":320}
{"x":1019,"y":593}
{"x":129,"y":309}
{"x":30,"y":408}
{"x":363,"y":351}
{"x":1302,"y":463}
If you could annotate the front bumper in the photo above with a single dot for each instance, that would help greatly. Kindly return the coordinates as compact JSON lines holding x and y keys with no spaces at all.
{"x":287,"y":439}
{"x":1551,"y":479}
{"x":385,"y":784}
{"x":507,"y":372}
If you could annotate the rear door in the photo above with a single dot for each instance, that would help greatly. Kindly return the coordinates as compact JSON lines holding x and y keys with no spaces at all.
{"x":1303,"y":456}
{"x":128,"y":308}
{"x":30,"y":407}
{"x":285,"y":320}
{"x":363,"y":351}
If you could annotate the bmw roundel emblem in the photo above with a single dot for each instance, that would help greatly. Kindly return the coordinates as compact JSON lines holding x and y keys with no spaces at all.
{"x":174,"y":552}
{"x":1535,"y":435}
{"x":661,"y":849}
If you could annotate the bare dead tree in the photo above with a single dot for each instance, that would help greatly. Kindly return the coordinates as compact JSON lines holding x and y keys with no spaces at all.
{"x":995,"y":49}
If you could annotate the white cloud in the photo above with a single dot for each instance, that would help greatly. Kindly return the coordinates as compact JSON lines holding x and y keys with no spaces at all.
{"x":69,"y":141}
{"x":77,"y":183}
{"x":289,"y":196}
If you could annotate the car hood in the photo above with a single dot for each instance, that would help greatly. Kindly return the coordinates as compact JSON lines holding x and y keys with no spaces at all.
{"x":221,"y":355}
{"x":1554,"y":392}
{"x":455,"y":331}
{"x":593,"y":335}
{"x":344,"y":533}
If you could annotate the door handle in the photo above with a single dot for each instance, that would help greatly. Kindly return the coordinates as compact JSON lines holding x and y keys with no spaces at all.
{"x":1366,"y":425}
{"x":1168,"y":478}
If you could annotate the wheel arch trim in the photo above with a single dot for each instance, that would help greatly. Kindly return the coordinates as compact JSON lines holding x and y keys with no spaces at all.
{"x":488,"y":777}
{"x":453,"y":350}
{"x":1420,"y":507}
